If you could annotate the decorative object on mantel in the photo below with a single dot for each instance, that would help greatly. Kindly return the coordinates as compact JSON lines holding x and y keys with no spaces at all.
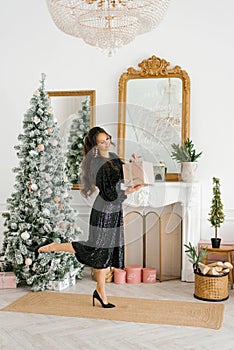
{"x":107,"y":24}
{"x":187,"y":156}
{"x":159,"y":171}
{"x":216,"y":215}
{"x":211,"y":281}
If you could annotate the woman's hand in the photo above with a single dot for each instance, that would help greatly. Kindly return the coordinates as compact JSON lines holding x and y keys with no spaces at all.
{"x":132,"y":189}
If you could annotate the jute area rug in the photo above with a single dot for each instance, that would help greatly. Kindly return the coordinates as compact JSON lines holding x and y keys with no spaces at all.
{"x":195,"y":314}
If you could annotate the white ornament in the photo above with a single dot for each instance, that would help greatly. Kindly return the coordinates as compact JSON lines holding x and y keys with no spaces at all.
{"x":13,"y":226}
{"x":46,"y":212}
{"x":32,"y":153}
{"x":34,"y":187}
{"x":36,"y":120}
{"x":37,"y":93}
{"x":53,"y":142}
{"x":47,"y":177}
{"x":49,"y":191}
{"x":25,"y":235}
{"x":28,"y":261}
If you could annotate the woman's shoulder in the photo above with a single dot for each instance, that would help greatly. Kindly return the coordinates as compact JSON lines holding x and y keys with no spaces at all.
{"x":113,"y":155}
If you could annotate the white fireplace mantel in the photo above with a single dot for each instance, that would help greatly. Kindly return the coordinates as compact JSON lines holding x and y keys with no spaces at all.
{"x":164,"y":193}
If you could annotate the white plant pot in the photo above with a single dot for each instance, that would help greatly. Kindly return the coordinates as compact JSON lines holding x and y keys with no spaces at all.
{"x":188,"y":170}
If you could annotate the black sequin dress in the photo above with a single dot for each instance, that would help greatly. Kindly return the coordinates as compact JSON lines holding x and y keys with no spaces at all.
{"x":105,"y":244}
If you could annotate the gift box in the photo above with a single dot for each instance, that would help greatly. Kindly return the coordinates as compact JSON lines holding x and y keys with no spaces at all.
{"x":58,"y":285}
{"x":138,"y":172}
{"x":7,"y":280}
{"x":149,"y":275}
{"x":119,"y":276}
{"x":133,"y":274}
{"x":72,"y":280}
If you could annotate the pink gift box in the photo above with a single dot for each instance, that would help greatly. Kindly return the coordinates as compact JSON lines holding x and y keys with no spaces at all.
{"x":149,"y":275}
{"x":133,"y":274}
{"x":7,"y":280}
{"x":119,"y":276}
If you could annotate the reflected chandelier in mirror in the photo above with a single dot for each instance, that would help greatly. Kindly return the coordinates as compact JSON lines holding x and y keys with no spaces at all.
{"x":75,"y":115}
{"x":154,"y":112}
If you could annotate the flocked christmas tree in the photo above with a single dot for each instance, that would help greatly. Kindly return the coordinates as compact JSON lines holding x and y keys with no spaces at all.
{"x":79,"y":127}
{"x":39,"y":208}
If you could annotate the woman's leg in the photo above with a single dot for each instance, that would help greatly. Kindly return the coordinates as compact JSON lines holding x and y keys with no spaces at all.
{"x":57,"y":247}
{"x":100,"y":276}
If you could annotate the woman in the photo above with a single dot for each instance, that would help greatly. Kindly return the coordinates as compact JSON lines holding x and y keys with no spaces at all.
{"x":101,"y":169}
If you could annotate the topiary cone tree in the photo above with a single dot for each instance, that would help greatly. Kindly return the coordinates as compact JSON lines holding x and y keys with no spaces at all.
{"x":216,"y":214}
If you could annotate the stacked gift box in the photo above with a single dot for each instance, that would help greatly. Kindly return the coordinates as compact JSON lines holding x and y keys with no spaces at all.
{"x":68,"y":281}
{"x":7,"y":280}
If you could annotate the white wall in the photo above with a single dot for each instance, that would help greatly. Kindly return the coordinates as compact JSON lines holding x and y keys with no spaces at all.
{"x":196,"y":34}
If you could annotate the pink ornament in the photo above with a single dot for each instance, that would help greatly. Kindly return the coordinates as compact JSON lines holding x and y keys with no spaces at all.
{"x":62,"y":225}
{"x":49,"y":131}
{"x":28,"y":261}
{"x":40,"y":147}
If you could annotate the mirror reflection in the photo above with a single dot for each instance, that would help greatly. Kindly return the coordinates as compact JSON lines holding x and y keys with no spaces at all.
{"x":75,"y":115}
{"x":153,"y":112}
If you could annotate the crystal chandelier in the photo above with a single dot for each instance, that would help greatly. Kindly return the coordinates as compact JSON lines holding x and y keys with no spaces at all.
{"x":107,"y":24}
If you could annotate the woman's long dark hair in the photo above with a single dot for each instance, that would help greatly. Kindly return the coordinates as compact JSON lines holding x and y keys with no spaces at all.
{"x":90,"y":152}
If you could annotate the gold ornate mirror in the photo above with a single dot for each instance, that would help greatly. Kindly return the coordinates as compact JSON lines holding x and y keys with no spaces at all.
{"x":154,"y":112}
{"x":75,"y":115}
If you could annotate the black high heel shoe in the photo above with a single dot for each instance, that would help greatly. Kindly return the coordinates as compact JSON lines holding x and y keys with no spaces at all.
{"x":97,"y":296}
{"x":46,"y":242}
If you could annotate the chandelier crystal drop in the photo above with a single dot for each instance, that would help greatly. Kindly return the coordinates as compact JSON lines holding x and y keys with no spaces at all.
{"x":107,"y":24}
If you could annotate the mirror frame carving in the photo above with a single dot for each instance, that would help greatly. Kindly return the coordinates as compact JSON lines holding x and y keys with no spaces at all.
{"x":92,"y":95}
{"x":153,"y":67}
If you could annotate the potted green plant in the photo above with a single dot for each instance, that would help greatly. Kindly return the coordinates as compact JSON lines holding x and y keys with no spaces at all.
{"x":210,"y":283}
{"x":187,"y":156}
{"x":195,"y":256}
{"x":216,"y":214}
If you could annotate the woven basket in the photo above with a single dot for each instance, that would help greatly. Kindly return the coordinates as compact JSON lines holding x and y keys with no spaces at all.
{"x":211,"y":288}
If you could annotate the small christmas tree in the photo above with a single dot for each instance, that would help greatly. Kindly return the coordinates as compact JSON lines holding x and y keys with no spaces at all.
{"x":39,"y":208}
{"x":216,"y":215}
{"x":79,"y":127}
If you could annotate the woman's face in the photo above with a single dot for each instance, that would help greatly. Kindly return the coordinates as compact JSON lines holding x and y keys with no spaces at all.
{"x":103,"y":142}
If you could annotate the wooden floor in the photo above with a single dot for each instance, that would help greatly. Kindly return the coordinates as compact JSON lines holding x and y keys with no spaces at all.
{"x":38,"y":332}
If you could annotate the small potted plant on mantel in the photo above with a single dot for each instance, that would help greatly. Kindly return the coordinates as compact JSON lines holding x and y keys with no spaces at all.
{"x":216,"y":215}
{"x":187,"y":156}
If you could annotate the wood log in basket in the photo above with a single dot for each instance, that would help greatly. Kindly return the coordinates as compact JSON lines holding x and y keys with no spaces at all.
{"x":216,"y":268}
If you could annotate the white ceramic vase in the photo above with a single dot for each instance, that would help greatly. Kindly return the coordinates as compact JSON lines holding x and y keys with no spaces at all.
{"x":188,"y":170}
